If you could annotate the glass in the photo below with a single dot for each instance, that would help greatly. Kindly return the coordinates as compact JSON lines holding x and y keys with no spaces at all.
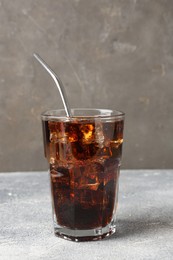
{"x":84,"y":154}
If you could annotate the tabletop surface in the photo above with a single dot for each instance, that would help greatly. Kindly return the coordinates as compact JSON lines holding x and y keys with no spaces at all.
{"x":144,"y":219}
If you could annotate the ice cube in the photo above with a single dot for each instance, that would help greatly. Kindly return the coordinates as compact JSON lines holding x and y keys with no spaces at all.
{"x":52,"y":160}
{"x":53,"y":137}
{"x":87,"y":131}
{"x":118,"y":133}
{"x":108,"y":129}
{"x":99,"y":135}
{"x":83,"y":151}
{"x":111,"y":169}
{"x":90,"y":175}
{"x":57,"y":132}
{"x":72,"y":131}
{"x":104,"y":153}
{"x":116,"y":143}
{"x":52,"y":153}
{"x":116,"y":147}
{"x":62,"y":171}
{"x":60,"y":175}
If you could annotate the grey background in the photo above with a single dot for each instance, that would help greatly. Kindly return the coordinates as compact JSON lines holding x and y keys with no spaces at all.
{"x":109,"y":53}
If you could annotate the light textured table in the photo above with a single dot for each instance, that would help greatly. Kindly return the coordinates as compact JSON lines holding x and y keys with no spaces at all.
{"x":144,"y":220}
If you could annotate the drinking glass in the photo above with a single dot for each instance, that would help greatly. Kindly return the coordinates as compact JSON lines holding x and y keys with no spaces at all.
{"x":84,"y":156}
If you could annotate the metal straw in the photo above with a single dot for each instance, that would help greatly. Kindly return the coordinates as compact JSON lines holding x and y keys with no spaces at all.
{"x":58,"y":84}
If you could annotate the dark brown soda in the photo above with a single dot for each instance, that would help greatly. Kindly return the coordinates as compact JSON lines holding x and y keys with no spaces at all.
{"x":84,"y":159}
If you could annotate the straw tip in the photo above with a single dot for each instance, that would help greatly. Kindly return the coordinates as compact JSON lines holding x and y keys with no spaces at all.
{"x":35,"y":55}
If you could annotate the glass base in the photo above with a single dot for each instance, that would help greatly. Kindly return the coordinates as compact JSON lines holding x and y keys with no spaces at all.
{"x":85,"y":235}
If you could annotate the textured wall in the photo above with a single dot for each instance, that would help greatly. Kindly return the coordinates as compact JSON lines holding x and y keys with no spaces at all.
{"x":109,"y":53}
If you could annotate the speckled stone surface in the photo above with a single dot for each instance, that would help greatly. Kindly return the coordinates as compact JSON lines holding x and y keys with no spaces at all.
{"x":144,"y":220}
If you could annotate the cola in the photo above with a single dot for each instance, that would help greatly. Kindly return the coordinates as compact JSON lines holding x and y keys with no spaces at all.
{"x":84,"y":158}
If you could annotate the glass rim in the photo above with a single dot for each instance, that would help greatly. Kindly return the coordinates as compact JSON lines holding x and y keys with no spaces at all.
{"x":104,"y":114}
